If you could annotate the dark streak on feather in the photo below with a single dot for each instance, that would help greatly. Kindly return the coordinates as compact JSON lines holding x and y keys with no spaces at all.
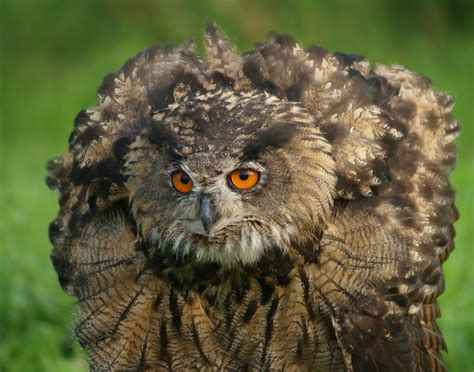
{"x":274,"y":136}
{"x":63,"y":267}
{"x":142,"y":363}
{"x":162,"y":137}
{"x":164,"y":353}
{"x":121,"y":147}
{"x":293,"y":92}
{"x":126,"y":311}
{"x":346,"y":60}
{"x":108,"y":168}
{"x":175,"y":312}
{"x":81,"y":118}
{"x":90,"y":133}
{"x":335,"y":133}
{"x":305,"y":286}
{"x":269,"y":326}
{"x":53,"y":231}
{"x":317,"y":53}
{"x":197,"y":342}
{"x":267,"y":289}
{"x":250,"y":311}
{"x":108,"y":86}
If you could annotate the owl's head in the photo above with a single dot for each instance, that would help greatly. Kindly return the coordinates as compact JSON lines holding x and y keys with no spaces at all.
{"x":226,"y":177}
{"x":232,"y":157}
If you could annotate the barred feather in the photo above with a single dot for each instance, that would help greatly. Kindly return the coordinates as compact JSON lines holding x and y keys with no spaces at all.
{"x":334,"y":263}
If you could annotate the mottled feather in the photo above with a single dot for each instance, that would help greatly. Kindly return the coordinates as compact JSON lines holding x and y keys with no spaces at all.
{"x":332,"y":262}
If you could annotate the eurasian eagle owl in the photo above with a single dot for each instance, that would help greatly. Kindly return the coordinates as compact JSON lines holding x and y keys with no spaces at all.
{"x":282,"y":209}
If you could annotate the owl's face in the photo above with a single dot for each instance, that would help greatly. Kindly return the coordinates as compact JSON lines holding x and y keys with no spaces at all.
{"x":220,"y":177}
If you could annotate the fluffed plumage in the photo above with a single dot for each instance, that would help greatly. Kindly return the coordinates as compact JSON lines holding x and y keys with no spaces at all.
{"x":331,"y":262}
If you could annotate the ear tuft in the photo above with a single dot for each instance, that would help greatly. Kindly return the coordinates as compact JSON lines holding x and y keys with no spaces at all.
{"x":222,"y":56}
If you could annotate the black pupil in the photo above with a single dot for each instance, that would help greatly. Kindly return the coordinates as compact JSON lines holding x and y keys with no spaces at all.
{"x":244,"y":175}
{"x":184,"y":178}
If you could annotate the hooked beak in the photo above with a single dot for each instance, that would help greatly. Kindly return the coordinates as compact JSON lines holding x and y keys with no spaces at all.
{"x":207,"y":213}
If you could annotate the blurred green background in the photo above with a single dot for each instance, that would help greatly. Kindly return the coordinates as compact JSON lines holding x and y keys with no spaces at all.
{"x":54,"y":55}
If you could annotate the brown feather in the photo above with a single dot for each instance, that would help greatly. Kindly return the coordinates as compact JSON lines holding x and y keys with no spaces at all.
{"x":331,"y":262}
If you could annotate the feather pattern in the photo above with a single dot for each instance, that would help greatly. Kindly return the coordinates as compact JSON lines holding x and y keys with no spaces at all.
{"x":332,"y":262}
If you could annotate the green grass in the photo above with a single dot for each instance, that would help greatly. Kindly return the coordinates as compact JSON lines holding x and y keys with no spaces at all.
{"x":53,"y":56}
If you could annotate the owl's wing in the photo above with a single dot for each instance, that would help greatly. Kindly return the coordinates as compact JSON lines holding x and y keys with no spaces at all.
{"x":98,"y":260}
{"x":414,"y":198}
{"x":362,"y":263}
{"x":392,"y":141}
{"x":419,"y":198}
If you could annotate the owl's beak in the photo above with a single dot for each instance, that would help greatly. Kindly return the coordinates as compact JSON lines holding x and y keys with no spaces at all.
{"x":207,"y":212}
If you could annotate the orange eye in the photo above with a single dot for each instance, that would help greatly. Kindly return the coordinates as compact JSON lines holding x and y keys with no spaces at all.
{"x":244,"y":178}
{"x":181,"y":182}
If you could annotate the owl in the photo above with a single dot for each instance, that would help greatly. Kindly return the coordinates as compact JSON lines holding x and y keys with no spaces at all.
{"x":282,"y":209}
